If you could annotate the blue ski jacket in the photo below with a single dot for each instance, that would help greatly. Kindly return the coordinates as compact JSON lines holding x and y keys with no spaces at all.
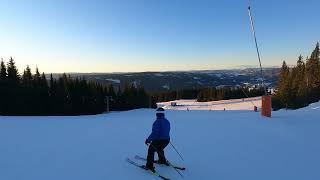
{"x":160,"y":129}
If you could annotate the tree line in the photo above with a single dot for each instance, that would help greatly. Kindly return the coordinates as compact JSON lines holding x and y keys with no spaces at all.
{"x":216,"y":94}
{"x":300,"y":85}
{"x":34,"y":94}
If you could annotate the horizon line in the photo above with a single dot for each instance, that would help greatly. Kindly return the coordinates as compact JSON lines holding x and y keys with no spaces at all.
{"x":168,"y":71}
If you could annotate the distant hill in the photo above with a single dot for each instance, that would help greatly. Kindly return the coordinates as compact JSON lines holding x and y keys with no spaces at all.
{"x":164,"y":81}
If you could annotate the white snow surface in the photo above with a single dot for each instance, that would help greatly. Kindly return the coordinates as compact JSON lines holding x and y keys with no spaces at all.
{"x":166,"y":86}
{"x":221,"y":145}
{"x":114,"y":80}
{"x":234,"y":104}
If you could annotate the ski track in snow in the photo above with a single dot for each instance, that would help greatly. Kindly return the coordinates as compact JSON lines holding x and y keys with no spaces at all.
{"x":217,"y":145}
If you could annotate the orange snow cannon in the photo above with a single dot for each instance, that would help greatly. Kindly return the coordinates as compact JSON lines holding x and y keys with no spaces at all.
{"x":266,"y":106}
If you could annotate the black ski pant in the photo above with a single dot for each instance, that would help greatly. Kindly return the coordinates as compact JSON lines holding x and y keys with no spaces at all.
{"x":156,"y":146}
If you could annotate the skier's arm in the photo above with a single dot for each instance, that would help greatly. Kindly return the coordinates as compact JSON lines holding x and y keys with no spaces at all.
{"x":155,"y":131}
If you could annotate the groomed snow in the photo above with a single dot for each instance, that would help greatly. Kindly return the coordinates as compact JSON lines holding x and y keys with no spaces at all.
{"x":221,"y":145}
{"x":235,"y":104}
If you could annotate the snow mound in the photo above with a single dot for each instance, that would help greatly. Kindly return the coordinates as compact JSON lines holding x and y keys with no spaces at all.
{"x":313,"y":106}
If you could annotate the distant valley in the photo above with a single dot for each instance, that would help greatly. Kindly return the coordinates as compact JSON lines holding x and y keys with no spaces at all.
{"x":166,"y":81}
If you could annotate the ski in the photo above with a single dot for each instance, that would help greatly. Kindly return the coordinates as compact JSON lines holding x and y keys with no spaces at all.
{"x":174,"y":166}
{"x":143,"y":167}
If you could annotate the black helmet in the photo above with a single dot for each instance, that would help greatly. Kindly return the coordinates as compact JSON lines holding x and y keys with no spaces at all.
{"x":160,"y":112}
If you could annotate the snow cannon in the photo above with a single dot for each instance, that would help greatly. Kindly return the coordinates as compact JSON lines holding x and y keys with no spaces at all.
{"x":266,"y":106}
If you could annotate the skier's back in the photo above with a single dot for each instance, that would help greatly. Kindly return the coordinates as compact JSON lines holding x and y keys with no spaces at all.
{"x":158,"y":139}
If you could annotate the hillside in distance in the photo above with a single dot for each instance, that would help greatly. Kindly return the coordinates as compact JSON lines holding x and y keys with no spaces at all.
{"x":176,"y":80}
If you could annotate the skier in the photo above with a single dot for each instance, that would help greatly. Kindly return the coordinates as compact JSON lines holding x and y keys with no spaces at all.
{"x":158,"y":140}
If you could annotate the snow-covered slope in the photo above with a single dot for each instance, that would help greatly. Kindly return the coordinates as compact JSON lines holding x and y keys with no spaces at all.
{"x":222,"y":145}
{"x":234,"y":104}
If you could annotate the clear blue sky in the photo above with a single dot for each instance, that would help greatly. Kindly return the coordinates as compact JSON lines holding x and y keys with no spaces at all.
{"x":154,"y":35}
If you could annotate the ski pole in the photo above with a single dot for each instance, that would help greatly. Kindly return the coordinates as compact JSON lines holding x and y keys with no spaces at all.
{"x":177,"y":151}
{"x":167,"y":160}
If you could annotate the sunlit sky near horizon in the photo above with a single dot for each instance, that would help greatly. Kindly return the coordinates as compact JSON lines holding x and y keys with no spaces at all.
{"x":154,"y":35}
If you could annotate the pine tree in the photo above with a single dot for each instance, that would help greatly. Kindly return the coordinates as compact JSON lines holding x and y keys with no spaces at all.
{"x":51,"y":85}
{"x":13,"y":96}
{"x":283,"y":86}
{"x":13,"y":74}
{"x":312,"y":67}
{"x":37,"y":78}
{"x":3,"y":70}
{"x":111,"y":91}
{"x":27,"y":77}
{"x":43,"y":81}
{"x":312,"y":75}
{"x":44,"y":95}
{"x":3,"y":88}
{"x":295,"y":77}
{"x":300,"y":83}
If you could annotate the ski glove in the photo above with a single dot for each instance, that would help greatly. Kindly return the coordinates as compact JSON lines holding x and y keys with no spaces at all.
{"x":147,"y":142}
